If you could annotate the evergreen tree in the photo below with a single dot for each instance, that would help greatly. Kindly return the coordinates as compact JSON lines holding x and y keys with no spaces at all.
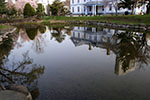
{"x":40,"y":10}
{"x":29,"y":10}
{"x":3,"y":9}
{"x":127,"y":4}
{"x":58,"y":9}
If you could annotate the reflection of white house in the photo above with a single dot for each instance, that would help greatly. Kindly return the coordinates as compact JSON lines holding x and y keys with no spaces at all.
{"x":92,"y":36}
{"x":102,"y":38}
{"x":97,"y":7}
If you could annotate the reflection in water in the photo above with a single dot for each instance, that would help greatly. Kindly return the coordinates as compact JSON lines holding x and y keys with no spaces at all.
{"x":129,"y":47}
{"x":131,"y":50}
{"x":23,"y":72}
{"x":57,"y":33}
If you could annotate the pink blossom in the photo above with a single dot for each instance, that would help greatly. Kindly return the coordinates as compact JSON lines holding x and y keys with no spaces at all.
{"x":19,"y":4}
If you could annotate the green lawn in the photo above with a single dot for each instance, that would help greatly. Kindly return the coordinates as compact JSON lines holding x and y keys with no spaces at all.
{"x":5,"y":26}
{"x":130,"y":19}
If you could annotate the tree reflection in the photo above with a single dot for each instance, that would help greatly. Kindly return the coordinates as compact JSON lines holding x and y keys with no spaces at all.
{"x":58,"y":34}
{"x":32,"y":32}
{"x":132,"y":48}
{"x":22,"y":73}
{"x":5,"y":46}
{"x":42,"y":29}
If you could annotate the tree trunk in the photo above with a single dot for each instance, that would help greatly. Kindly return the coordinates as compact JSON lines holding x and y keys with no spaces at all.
{"x":134,"y":5}
{"x":116,"y":9}
{"x":148,"y":8}
{"x":132,"y":13}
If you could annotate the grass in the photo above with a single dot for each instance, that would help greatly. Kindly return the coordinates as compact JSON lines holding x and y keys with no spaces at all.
{"x":129,"y":19}
{"x":5,"y":26}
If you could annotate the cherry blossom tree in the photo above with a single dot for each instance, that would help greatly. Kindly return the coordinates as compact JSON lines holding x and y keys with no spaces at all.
{"x":19,"y":4}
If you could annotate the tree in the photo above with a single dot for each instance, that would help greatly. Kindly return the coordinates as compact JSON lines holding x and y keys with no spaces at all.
{"x":40,"y":10}
{"x":57,"y":8}
{"x":115,"y":5}
{"x":127,"y":4}
{"x":29,"y":10}
{"x":20,"y":4}
{"x":12,"y":11}
{"x":3,"y":9}
{"x":148,"y":7}
{"x":131,"y":4}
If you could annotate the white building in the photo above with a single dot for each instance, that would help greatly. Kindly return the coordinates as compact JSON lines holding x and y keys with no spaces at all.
{"x":98,"y":7}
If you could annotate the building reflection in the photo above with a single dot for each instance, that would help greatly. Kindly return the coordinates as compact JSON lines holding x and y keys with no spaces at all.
{"x":126,"y":46}
{"x":93,"y":37}
{"x":129,"y":47}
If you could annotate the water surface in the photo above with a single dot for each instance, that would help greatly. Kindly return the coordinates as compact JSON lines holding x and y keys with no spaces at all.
{"x":78,"y":63}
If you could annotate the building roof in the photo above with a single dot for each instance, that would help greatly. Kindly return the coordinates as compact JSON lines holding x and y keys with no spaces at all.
{"x":101,"y":3}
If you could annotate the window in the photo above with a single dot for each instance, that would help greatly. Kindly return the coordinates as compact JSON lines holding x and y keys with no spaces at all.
{"x":72,"y":9}
{"x":129,"y":8}
{"x":84,"y":0}
{"x":102,"y":8}
{"x":78,"y":1}
{"x":72,"y":1}
{"x":110,"y":7}
{"x":90,"y":8}
{"x":78,"y":9}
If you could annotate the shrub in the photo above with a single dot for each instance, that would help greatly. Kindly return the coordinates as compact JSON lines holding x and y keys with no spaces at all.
{"x":12,"y":11}
{"x":126,"y":13}
{"x":29,"y":10}
{"x":42,"y":29}
{"x":32,"y":32}
{"x":3,"y":9}
{"x":40,"y":10}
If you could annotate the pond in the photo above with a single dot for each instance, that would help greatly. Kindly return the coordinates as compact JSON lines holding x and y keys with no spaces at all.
{"x":77,"y":63}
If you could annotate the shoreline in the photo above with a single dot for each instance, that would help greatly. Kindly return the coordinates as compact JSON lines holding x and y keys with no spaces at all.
{"x":97,"y":21}
{"x":140,"y":27}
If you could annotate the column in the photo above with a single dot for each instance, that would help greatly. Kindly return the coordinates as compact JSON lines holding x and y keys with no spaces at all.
{"x":86,"y":10}
{"x":93,"y":9}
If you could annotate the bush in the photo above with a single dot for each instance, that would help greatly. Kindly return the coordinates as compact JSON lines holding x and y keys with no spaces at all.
{"x":32,"y":32}
{"x":3,"y":9}
{"x":126,"y":13}
{"x":12,"y":11}
{"x":29,"y":10}
{"x":40,"y":10}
